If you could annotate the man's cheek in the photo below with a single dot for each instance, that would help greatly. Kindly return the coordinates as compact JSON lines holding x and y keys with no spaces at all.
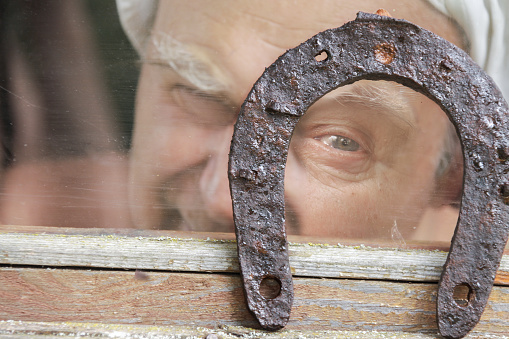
{"x":320,"y":210}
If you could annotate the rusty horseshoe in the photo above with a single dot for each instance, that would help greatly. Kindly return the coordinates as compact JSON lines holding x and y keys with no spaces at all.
{"x":372,"y":47}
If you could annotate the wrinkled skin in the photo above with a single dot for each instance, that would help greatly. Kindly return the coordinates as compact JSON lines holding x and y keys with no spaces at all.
{"x":354,"y":170}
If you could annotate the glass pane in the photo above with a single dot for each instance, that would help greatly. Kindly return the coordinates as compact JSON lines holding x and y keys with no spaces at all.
{"x":98,"y":134}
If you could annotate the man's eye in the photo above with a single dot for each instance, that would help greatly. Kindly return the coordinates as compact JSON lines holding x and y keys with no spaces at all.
{"x":341,"y":143}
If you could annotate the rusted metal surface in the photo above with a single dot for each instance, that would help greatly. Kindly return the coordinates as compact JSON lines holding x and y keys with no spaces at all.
{"x":372,"y":47}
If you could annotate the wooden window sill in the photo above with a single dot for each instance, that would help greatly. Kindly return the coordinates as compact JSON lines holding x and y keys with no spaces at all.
{"x":131,"y":279}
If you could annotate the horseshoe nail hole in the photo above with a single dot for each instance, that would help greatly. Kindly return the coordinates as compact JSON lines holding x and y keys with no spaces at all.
{"x":463,"y":295}
{"x":322,"y":56}
{"x":504,"y":192}
{"x":385,"y":53}
{"x":270,"y":288}
{"x":502,"y":154}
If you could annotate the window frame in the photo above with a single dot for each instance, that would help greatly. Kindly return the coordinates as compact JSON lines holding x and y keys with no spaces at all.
{"x":68,"y":256}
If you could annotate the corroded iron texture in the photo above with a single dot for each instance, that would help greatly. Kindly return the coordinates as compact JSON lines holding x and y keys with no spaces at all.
{"x":372,"y":47}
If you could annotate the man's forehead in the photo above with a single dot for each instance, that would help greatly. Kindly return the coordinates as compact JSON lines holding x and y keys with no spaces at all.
{"x":387,"y":98}
{"x":298,"y":19}
{"x":231,"y":42}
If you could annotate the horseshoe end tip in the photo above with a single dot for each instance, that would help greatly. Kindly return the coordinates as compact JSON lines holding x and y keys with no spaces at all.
{"x":448,"y":329}
{"x":273,"y":323}
{"x":456,"y":321}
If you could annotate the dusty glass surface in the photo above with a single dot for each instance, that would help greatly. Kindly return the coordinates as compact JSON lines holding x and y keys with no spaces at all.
{"x":67,"y":85}
{"x":373,"y":161}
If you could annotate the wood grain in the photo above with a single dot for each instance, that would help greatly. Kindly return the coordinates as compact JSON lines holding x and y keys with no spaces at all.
{"x":214,"y":300}
{"x":210,"y":255}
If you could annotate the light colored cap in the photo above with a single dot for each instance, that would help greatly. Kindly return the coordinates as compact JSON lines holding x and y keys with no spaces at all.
{"x":137,"y":18}
{"x":485,"y":23}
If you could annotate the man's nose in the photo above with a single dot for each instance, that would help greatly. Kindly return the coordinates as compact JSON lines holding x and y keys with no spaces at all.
{"x":214,"y":187}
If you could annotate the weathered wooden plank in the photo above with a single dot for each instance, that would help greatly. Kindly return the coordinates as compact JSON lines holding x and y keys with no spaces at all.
{"x":209,"y":255}
{"x":215,"y":300}
{"x":17,"y":329}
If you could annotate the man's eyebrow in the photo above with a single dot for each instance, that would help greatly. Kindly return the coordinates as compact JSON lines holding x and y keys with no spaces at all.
{"x":170,"y":52}
{"x":383,"y":97}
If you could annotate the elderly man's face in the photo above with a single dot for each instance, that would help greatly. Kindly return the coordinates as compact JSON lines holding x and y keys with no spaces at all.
{"x":363,"y":160}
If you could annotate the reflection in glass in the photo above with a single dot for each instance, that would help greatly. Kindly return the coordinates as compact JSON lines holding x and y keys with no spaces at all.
{"x":372,"y":161}
{"x":64,"y":130}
